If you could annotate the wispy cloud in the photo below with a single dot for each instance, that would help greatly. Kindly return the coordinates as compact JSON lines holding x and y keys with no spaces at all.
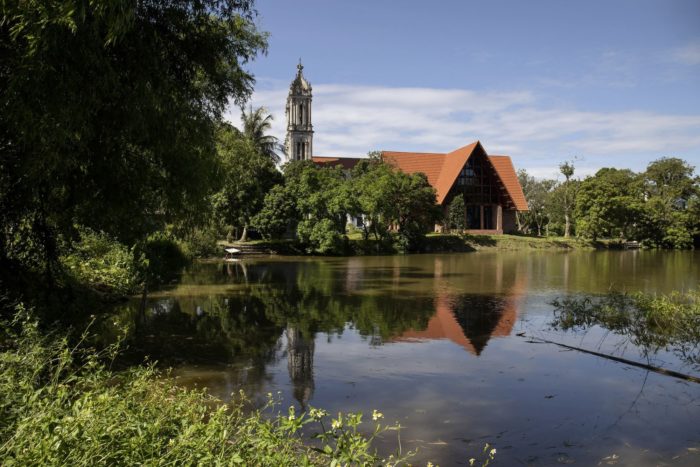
{"x":352,"y":120}
{"x":687,"y":55}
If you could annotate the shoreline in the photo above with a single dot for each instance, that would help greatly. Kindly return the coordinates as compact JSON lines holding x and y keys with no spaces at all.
{"x":433,"y":243}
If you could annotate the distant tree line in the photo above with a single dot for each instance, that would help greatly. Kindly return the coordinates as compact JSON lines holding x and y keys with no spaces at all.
{"x":659,"y":207}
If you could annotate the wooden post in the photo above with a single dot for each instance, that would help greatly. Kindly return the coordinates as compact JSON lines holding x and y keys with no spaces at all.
{"x":499,"y":218}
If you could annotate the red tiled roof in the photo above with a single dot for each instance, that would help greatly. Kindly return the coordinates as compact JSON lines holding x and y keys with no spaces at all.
{"x":411,"y":162}
{"x":442,"y":170}
{"x":506,"y":172}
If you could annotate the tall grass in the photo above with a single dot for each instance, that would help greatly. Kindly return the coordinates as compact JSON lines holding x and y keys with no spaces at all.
{"x":62,"y":405}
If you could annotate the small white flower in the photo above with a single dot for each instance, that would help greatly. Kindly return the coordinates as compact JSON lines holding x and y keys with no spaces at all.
{"x":471,"y":461}
{"x":377,"y":415}
{"x":335,"y":424}
{"x":493,"y":452}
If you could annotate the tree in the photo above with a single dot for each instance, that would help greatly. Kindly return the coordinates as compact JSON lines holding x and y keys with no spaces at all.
{"x":609,"y":204}
{"x":672,"y":208}
{"x":246,"y":176}
{"x":456,"y":213}
{"x":256,"y":123}
{"x":539,"y":200}
{"x":277,"y":214}
{"x":370,"y":184}
{"x":568,"y":198}
{"x":109,"y":111}
{"x":412,"y":207}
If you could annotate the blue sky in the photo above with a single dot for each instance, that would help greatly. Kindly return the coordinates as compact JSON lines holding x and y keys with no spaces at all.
{"x":610,"y":83}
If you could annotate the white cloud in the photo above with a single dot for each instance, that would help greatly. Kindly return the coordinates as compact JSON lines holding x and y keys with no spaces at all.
{"x":688,"y":55}
{"x":352,"y":120}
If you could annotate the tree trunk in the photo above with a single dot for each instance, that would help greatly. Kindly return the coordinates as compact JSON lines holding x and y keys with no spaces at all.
{"x":567,"y":225}
{"x":244,"y":235}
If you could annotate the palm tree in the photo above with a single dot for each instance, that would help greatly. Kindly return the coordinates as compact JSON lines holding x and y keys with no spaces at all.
{"x":255,"y":124}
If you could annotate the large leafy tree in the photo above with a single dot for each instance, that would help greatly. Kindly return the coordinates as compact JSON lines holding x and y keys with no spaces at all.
{"x":108,"y":113}
{"x":609,"y":204}
{"x":539,"y":200}
{"x":247,"y":175}
{"x":672,"y":210}
{"x":256,"y":124}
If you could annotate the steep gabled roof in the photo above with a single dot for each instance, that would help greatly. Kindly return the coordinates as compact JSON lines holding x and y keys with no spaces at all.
{"x":442,"y":169}
{"x":454,"y":162}
{"x":411,"y":162}
{"x":506,"y":172}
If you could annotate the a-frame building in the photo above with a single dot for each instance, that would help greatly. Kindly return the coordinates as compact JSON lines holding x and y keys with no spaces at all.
{"x":489,"y":184}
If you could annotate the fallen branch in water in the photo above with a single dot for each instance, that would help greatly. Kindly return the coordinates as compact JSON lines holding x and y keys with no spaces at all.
{"x":655,"y":369}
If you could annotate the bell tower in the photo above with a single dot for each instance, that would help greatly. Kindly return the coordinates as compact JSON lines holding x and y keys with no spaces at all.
{"x":300,"y":134}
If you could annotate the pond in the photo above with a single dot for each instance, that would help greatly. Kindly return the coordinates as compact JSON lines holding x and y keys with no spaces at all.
{"x":447,"y":345}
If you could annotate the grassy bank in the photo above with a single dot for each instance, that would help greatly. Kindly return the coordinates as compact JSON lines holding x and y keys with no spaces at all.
{"x":62,"y":405}
{"x":432,"y":243}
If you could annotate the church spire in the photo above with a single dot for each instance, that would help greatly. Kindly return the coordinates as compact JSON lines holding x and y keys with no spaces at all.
{"x":299,"y":141}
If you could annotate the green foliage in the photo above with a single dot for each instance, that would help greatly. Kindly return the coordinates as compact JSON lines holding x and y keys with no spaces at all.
{"x":201,"y":242}
{"x":256,"y":123}
{"x":456,"y":214}
{"x":323,"y":235}
{"x":391,"y":198}
{"x":277,"y":215}
{"x":109,"y":114}
{"x":672,"y":210}
{"x":539,"y":195}
{"x":246,"y":177}
{"x":162,"y":258}
{"x":102,"y":263}
{"x":651,"y":322}
{"x":659,"y":207}
{"x":63,"y":406}
{"x":610,"y":204}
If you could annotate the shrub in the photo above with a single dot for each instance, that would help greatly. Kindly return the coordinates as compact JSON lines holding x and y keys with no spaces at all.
{"x":161,"y":257}
{"x":102,"y":262}
{"x":201,"y":243}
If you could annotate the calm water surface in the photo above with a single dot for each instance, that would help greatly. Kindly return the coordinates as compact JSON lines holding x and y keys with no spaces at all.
{"x":441,"y":344}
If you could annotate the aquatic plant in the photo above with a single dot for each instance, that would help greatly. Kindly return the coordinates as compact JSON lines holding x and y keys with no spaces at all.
{"x":651,"y":322}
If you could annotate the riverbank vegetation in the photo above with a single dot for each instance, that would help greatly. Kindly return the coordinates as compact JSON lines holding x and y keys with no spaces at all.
{"x":650,"y":322}
{"x":62,"y":405}
{"x":660,"y":207}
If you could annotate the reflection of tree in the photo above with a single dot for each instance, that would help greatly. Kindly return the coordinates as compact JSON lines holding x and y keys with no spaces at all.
{"x":651,"y":323}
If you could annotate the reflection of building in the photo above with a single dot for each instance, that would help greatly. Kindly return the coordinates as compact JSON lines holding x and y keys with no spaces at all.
{"x":300,"y":363}
{"x":470,"y":320}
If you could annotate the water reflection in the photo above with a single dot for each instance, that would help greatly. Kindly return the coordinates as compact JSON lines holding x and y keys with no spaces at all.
{"x":431,"y":341}
{"x":294,"y":301}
